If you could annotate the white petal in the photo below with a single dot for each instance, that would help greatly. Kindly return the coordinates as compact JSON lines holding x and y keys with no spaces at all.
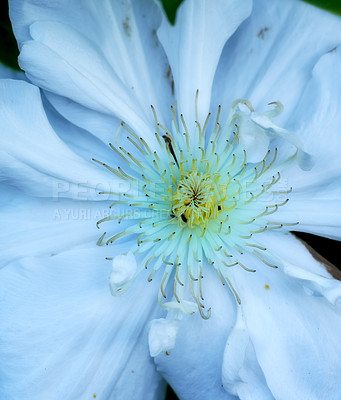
{"x":194,"y":45}
{"x":242,"y":375}
{"x":317,"y":118}
{"x":271,"y":56}
{"x":316,"y":198}
{"x":64,"y":336}
{"x":36,"y":227}
{"x":101,"y":125}
{"x":33,"y":156}
{"x":316,"y":207}
{"x":294,"y":331}
{"x":105,"y":57}
{"x":83,"y":75}
{"x":80,"y":140}
{"x":123,"y":270}
{"x":162,"y":335}
{"x":317,"y":122}
{"x":193,"y":367}
{"x":256,"y":131}
{"x":308,"y":268}
{"x":281,"y":242}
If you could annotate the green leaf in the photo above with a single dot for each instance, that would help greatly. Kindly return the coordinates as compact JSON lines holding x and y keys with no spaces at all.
{"x":333,"y":6}
{"x":8,"y":46}
{"x":170,"y":7}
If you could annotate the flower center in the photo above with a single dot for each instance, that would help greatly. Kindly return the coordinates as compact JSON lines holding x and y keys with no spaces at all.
{"x":195,"y":199}
{"x":198,"y":203}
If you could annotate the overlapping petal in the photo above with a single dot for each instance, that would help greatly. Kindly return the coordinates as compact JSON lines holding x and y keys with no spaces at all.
{"x":316,"y":197}
{"x":282,"y":344}
{"x":316,"y":118}
{"x":316,"y":210}
{"x":193,"y":367}
{"x":34,"y":227}
{"x":64,"y":336}
{"x":291,"y":328}
{"x":273,"y":52}
{"x":241,"y":372}
{"x":34,"y":158}
{"x":106,"y":58}
{"x":194,"y":46}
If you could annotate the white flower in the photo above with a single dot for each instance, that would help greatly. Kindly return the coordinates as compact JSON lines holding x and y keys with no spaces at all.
{"x":203,"y":195}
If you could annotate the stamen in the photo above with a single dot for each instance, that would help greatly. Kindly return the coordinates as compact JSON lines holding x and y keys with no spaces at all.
{"x":148,"y":261}
{"x":174,"y":119}
{"x":175,"y":294}
{"x":117,"y":152}
{"x":264,"y":261}
{"x":100,"y":241}
{"x":136,"y":145}
{"x":145,"y":145}
{"x":201,"y":202}
{"x":156,"y":121}
{"x":177,"y":275}
{"x":118,"y":236}
{"x":190,"y":274}
{"x":186,"y":132}
{"x":162,"y":283}
{"x":233,"y":289}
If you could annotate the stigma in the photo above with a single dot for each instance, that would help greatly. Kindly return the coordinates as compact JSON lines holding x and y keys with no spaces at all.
{"x":195,"y":201}
{"x":198,"y":203}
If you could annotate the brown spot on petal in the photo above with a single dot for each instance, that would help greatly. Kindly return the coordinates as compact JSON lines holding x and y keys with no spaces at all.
{"x":260,"y":34}
{"x":170,"y":79}
{"x":156,"y":40}
{"x":126,"y":26}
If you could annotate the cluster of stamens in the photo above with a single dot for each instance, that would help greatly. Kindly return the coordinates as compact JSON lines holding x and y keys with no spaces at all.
{"x":197,"y":206}
{"x":194,"y":200}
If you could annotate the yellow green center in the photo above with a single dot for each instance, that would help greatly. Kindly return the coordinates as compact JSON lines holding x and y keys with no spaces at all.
{"x":197,"y":198}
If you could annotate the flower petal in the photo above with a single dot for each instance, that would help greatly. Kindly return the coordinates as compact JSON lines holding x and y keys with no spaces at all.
{"x":316,"y":209}
{"x":310,"y":100}
{"x":317,"y":118}
{"x":294,"y":330}
{"x":162,"y":336}
{"x":242,"y":375}
{"x":193,"y":367}
{"x":102,"y":126}
{"x":78,"y":137}
{"x":45,"y":227}
{"x":271,"y":56}
{"x":89,"y":54}
{"x":315,"y":200}
{"x":194,"y":46}
{"x":33,"y":156}
{"x":308,"y":261}
{"x":64,"y":336}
